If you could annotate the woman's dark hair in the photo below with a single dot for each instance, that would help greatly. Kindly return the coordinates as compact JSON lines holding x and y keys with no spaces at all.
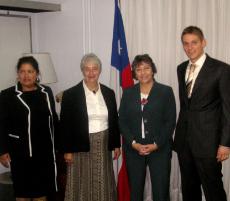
{"x":28,"y":60}
{"x":143,"y":58}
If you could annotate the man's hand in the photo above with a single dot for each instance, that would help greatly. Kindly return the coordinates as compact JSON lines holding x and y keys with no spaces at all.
{"x":222,"y":153}
{"x":5,"y":160}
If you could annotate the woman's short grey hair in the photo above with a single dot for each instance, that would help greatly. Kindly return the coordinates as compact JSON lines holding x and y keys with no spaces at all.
{"x":91,"y":57}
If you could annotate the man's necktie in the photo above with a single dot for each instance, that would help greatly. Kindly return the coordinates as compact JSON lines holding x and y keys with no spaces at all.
{"x":190,"y":79}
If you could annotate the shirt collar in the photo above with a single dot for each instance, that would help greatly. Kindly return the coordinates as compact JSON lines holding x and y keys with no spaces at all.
{"x":87,"y":91}
{"x":200,"y":61}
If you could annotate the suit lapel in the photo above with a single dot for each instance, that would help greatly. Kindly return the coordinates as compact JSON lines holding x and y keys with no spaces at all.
{"x":152,"y":95}
{"x":201,"y":76}
{"x":105,"y":96}
{"x":82,"y":100}
{"x":182,"y":73}
{"x":137,"y":97}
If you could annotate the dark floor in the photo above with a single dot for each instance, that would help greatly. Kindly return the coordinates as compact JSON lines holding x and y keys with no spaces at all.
{"x":6,"y":192}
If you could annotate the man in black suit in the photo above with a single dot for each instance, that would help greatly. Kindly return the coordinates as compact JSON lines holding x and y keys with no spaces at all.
{"x":202,"y":138}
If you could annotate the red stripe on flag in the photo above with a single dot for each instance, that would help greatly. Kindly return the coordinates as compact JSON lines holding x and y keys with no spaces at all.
{"x":126,"y":77}
{"x":120,"y":61}
{"x":123,"y":183}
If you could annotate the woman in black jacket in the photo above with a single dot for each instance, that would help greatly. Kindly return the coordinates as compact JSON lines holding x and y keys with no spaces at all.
{"x":147,"y":118}
{"x":89,"y":134}
{"x":27,"y":125}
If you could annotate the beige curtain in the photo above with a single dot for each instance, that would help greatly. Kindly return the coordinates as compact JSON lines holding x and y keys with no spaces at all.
{"x":154,"y":27}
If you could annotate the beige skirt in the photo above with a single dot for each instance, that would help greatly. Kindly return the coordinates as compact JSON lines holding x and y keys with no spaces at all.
{"x":91,"y":176}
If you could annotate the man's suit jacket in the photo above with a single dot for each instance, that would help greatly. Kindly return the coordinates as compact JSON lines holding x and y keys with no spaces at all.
{"x":74,"y":135}
{"x":204,"y":120}
{"x":159,"y":117}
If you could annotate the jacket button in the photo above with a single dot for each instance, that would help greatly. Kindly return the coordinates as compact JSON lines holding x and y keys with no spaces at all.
{"x":145,"y":121}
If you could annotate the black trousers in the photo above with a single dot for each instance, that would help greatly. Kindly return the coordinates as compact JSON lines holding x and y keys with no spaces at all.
{"x":197,"y":171}
{"x":159,"y":168}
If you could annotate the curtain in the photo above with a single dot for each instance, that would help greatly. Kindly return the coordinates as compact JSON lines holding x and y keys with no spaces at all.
{"x":155,"y":26}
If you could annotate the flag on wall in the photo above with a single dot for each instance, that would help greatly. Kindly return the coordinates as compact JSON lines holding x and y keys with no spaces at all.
{"x":120,"y":59}
{"x":120,"y":77}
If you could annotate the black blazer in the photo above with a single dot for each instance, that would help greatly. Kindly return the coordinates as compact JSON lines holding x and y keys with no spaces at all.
{"x":74,"y":135}
{"x":204,"y":120}
{"x":159,"y":117}
{"x":16,"y":128}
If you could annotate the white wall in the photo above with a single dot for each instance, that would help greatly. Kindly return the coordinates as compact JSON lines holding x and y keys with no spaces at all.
{"x":82,"y":26}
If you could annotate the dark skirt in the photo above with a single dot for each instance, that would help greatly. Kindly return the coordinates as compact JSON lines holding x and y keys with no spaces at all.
{"x":91,"y":176}
{"x":33,"y":178}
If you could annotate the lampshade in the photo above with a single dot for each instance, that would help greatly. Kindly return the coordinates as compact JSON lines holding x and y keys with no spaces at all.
{"x":46,"y":67}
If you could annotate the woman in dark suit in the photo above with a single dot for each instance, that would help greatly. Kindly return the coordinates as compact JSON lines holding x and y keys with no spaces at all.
{"x":147,"y":118}
{"x":89,"y":133}
{"x":27,"y":122}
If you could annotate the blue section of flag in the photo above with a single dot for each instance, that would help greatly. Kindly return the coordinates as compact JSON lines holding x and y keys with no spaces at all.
{"x":119,"y":58}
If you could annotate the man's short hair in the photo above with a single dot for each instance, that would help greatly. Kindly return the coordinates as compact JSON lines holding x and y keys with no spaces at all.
{"x":193,"y":30}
